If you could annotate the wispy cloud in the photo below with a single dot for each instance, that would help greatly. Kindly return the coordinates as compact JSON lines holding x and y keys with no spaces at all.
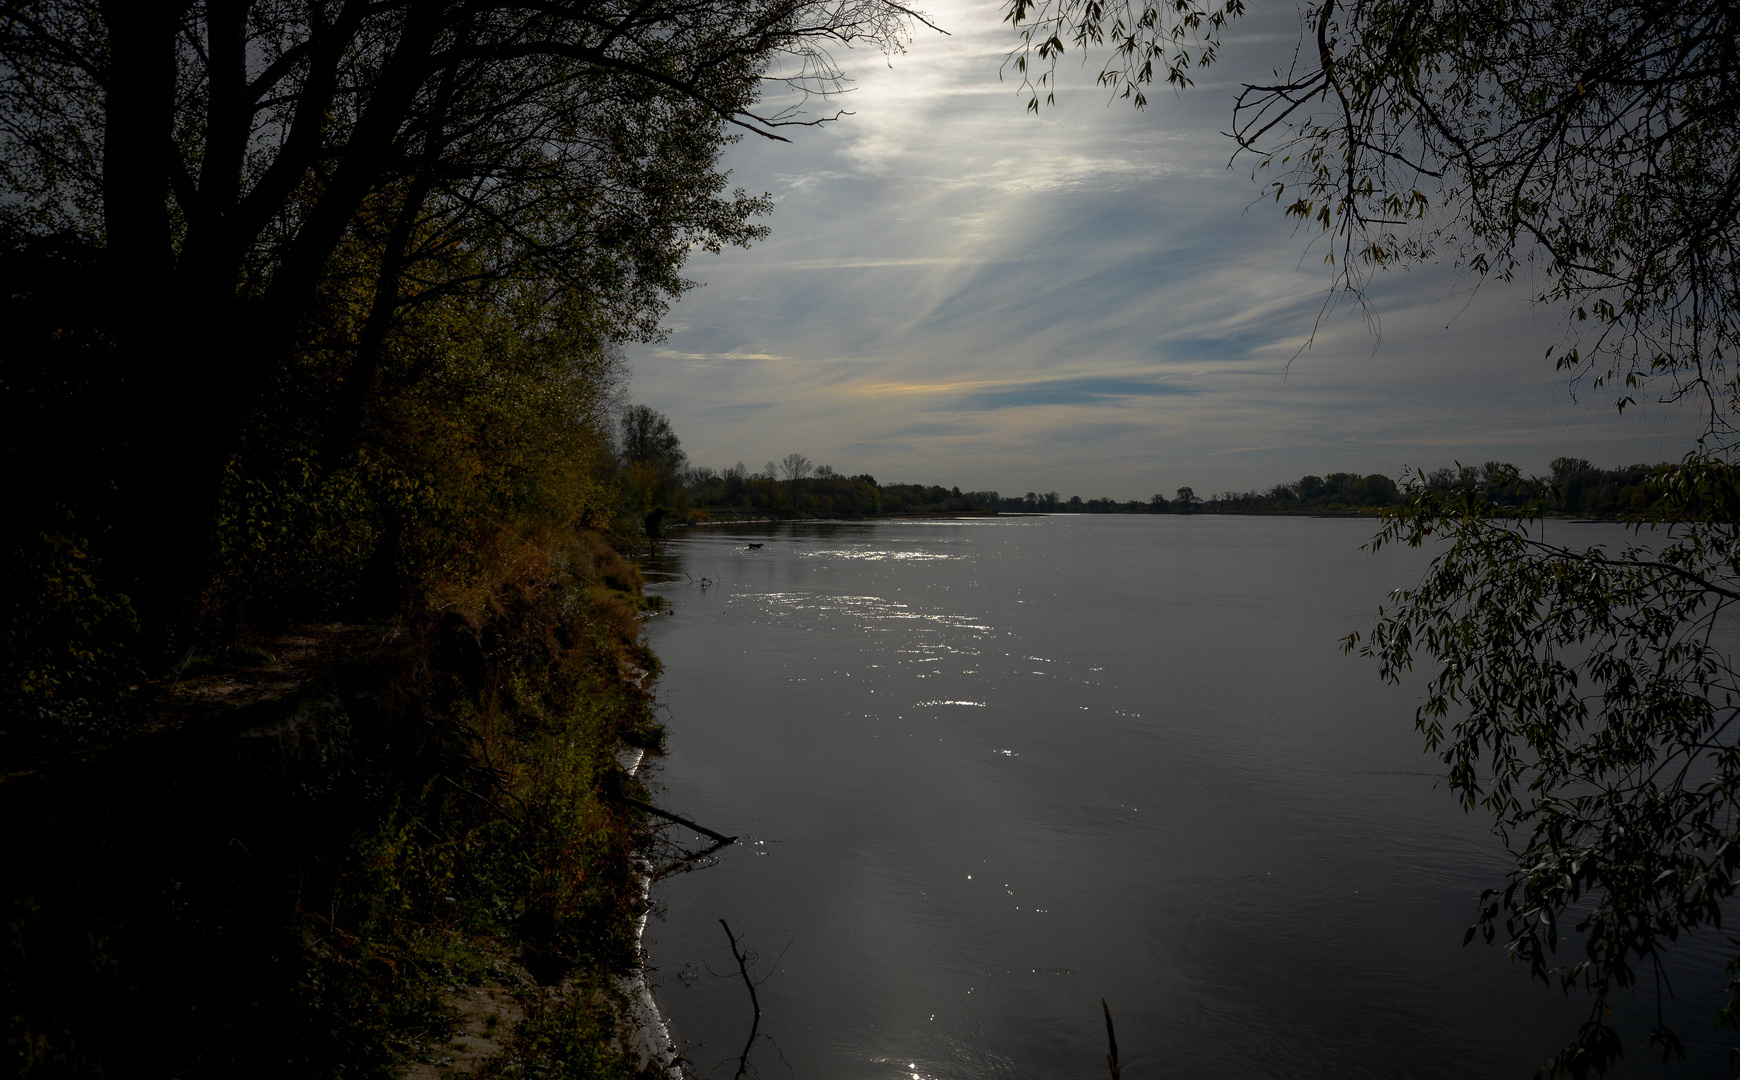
{"x":1088,"y":299}
{"x":1087,"y":391}
{"x":674,"y":354}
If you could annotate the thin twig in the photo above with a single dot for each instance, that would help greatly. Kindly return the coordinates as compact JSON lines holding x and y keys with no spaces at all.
{"x":1112,"y":1040}
{"x":755,"y":1025}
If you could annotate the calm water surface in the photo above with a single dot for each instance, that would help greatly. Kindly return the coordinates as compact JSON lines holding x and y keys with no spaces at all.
{"x":989,"y":772}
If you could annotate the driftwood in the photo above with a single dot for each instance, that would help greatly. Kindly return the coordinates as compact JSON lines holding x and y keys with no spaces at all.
{"x":755,"y":1025}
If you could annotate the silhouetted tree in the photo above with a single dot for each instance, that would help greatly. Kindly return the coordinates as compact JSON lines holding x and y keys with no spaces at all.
{"x":214,"y":170}
{"x":794,"y":468}
{"x":647,"y":439}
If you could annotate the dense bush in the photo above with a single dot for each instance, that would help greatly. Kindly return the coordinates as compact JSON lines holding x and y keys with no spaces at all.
{"x":437,"y":807}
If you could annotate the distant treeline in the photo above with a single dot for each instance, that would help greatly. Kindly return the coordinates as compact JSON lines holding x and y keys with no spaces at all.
{"x":776,"y":490}
{"x":1335,"y":493}
{"x":1573,"y":486}
{"x":818,"y":492}
{"x":795,"y":487}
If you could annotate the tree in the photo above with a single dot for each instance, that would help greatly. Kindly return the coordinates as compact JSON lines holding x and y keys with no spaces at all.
{"x":1594,"y":142}
{"x":1186,"y":498}
{"x":209,"y":170}
{"x":1595,"y":146}
{"x":1579,"y":700}
{"x":647,"y":439}
{"x":652,"y":466}
{"x":794,"y":468}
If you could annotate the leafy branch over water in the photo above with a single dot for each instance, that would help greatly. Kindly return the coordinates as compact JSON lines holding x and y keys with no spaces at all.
{"x":1601,"y":736}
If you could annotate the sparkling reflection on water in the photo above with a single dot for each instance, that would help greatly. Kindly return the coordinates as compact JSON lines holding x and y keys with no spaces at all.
{"x":989,"y":772}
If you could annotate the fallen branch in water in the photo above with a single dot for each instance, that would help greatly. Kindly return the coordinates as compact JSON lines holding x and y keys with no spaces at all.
{"x":678,"y":818}
{"x":743,"y":969}
{"x":1112,"y":1038}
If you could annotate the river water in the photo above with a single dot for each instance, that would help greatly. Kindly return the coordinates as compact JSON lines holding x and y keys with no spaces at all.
{"x":989,"y":772}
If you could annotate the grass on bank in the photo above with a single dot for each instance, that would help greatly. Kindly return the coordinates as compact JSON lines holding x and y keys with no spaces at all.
{"x":302,"y":888}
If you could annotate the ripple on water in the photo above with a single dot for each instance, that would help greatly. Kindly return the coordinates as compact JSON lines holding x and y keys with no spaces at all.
{"x":867,"y":610}
{"x":881,"y":555}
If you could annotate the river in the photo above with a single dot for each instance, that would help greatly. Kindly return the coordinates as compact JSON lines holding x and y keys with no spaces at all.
{"x":988,"y":772}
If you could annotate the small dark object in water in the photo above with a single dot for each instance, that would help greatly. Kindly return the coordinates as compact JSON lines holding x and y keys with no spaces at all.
{"x":752,"y":547}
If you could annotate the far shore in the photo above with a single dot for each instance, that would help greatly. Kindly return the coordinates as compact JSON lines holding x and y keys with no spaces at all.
{"x":1360,"y":512}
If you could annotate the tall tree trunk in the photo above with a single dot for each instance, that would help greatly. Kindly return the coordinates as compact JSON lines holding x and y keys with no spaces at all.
{"x":371,"y":147}
{"x":159,"y":530}
{"x":138,"y":131}
{"x":345,"y":426}
{"x":173,"y":317}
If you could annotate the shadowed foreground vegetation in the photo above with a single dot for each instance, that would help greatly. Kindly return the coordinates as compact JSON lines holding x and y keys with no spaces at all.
{"x":310,"y":846}
{"x":387,"y":773}
{"x":321,"y":668}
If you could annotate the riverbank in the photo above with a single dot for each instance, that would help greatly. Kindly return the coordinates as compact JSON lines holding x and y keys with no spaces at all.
{"x":397,"y":850}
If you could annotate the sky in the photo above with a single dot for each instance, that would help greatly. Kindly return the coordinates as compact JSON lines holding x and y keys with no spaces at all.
{"x":1088,"y":300}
